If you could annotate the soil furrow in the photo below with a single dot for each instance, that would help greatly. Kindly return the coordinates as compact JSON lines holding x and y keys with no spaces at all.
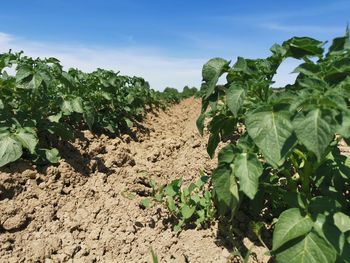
{"x":87,"y":209}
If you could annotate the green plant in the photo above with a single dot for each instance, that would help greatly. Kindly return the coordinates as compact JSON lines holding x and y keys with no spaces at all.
{"x":282,"y":159}
{"x":154,"y":256}
{"x":42,"y":104}
{"x":190,"y":205}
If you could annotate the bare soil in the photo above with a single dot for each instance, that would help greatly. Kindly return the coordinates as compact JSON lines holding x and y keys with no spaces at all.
{"x":87,"y":209}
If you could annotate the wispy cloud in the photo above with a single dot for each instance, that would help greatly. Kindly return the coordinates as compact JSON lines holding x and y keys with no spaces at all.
{"x":160,"y":69}
{"x":304,"y":28}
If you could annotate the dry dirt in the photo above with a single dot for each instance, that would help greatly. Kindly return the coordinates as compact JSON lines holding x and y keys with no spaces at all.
{"x":87,"y":209}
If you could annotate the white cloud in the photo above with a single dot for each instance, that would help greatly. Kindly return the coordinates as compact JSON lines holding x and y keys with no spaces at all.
{"x":156,"y":67}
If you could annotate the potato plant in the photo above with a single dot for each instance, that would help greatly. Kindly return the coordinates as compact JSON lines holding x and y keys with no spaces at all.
{"x":41,"y":102}
{"x":191,"y":205}
{"x":282,"y":158}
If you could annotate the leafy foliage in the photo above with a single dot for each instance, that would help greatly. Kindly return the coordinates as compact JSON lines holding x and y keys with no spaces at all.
{"x":286,"y":160}
{"x":189,"y":205}
{"x":42,"y":101}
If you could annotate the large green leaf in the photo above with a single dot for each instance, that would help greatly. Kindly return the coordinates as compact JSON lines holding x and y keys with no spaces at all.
{"x":72,"y":105}
{"x":10,"y":150}
{"x":314,"y":131}
{"x":290,"y":225}
{"x":235,"y":97}
{"x":248,"y":169}
{"x":326,"y":229}
{"x":299,"y":47}
{"x":272,"y":133}
{"x":211,"y":72}
{"x":310,"y":249}
{"x":28,"y":140}
{"x":225,"y":188}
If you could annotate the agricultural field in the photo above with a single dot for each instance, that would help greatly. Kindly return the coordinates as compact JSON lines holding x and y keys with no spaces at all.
{"x":99,"y":167}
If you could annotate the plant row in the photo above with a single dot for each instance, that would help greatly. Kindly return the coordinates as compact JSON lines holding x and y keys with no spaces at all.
{"x":281,"y":164}
{"x":41,"y":103}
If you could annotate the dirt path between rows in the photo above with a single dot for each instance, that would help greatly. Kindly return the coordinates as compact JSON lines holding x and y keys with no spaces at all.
{"x":87,"y":209}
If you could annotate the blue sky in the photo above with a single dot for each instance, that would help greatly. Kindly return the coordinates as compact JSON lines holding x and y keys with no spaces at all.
{"x":166,"y":41}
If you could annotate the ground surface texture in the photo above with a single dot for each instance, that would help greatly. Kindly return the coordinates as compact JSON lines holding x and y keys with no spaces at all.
{"x":87,"y":209}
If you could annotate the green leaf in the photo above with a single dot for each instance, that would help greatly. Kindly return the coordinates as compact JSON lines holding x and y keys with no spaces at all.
{"x":314,"y":131}
{"x":242,"y":66}
{"x":272,"y":133}
{"x":213,"y":142}
{"x":323,"y":204}
{"x":35,"y":82}
{"x":278,"y":50}
{"x":338,"y":44}
{"x":173,"y":188}
{"x":171,"y":204}
{"x":158,"y":197}
{"x":187,"y":211}
{"x":342,"y":221}
{"x":211,"y":72}
{"x":200,"y":123}
{"x":2,"y":106}
{"x":295,"y":199}
{"x":129,"y":123}
{"x":52,"y":155}
{"x":202,"y":181}
{"x":23,"y":72}
{"x":344,"y":129}
{"x":227,"y":154}
{"x":226,"y":189}
{"x":72,"y":105}
{"x":299,"y":47}
{"x":89,"y":117}
{"x":10,"y":150}
{"x":339,"y":70}
{"x":146,"y":203}
{"x":129,"y":98}
{"x":235,"y":98}
{"x":27,"y":139}
{"x":290,"y":225}
{"x":311,"y":249}
{"x":154,"y":256}
{"x":326,"y":229}
{"x":248,"y":169}
{"x":55,"y":118}
{"x":309,"y":69}
{"x":106,"y":95}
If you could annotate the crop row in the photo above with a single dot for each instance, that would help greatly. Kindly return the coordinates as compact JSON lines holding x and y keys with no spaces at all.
{"x":281,"y":165}
{"x":40,"y":103}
